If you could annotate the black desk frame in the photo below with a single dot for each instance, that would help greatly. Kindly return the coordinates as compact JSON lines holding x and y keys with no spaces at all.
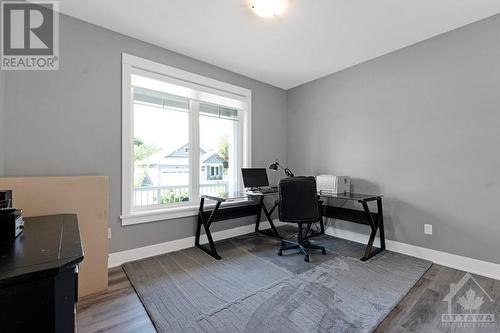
{"x":273,"y":232}
{"x":206,"y":222}
{"x":206,"y":218}
{"x":366,"y":217}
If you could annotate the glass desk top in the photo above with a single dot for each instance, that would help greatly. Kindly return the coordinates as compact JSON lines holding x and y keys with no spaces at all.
{"x":349,"y":196}
{"x":239,"y":195}
{"x":226,"y":196}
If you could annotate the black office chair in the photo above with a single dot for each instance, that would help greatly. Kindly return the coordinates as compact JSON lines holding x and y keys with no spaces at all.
{"x":298,"y":203}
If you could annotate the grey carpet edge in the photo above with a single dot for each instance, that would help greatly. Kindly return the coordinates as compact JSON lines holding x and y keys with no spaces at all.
{"x":139,"y":294}
{"x":403,"y":295}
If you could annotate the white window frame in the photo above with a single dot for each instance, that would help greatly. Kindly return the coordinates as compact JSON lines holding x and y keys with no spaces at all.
{"x":195,"y":86}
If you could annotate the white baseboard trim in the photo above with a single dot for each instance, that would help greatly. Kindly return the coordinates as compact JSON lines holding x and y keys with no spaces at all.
{"x":467,"y":264}
{"x":117,"y":258}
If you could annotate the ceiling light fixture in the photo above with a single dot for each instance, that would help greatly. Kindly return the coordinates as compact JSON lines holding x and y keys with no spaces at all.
{"x":268,"y":8}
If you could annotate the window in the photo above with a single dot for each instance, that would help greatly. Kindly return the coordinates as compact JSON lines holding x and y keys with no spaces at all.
{"x":219,"y":133}
{"x":183,"y":135}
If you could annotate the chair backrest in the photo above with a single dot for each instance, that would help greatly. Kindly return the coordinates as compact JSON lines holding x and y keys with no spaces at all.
{"x":298,"y":200}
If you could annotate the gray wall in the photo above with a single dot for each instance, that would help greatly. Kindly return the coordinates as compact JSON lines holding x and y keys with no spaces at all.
{"x":420,"y":125}
{"x":2,"y":112}
{"x":68,"y":122}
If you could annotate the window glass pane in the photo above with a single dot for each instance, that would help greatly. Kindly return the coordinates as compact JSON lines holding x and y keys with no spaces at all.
{"x":159,"y":99}
{"x":209,"y":110}
{"x":218,"y":111}
{"x":228,"y":113}
{"x":161,"y":148}
{"x":218,"y":155}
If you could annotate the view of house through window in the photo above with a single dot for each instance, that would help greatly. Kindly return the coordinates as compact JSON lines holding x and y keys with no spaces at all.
{"x":218,"y":129}
{"x":162,"y":147}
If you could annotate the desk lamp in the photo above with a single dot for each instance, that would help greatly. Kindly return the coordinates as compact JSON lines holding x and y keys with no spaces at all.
{"x":276,"y":165}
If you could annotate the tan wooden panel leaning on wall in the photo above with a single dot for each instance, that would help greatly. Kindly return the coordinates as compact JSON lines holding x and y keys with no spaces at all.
{"x":87,"y":196}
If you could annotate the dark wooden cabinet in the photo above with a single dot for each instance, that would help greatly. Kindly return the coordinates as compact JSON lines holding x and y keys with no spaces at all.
{"x":39,"y":276}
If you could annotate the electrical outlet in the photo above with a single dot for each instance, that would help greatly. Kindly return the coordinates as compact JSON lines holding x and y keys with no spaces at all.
{"x":109,"y":233}
{"x":428,"y":229}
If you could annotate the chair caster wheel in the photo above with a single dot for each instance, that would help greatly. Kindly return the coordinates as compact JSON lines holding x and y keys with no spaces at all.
{"x":306,"y":258}
{"x":323,"y":252}
{"x":280,"y":253}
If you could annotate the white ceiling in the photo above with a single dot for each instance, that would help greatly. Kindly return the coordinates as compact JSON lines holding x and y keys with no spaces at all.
{"x":313,"y":38}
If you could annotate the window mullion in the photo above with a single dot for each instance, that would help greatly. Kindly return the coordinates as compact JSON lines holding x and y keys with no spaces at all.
{"x":194,"y":151}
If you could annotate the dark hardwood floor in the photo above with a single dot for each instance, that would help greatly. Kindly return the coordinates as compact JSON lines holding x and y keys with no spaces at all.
{"x":120,"y":310}
{"x":116,"y":310}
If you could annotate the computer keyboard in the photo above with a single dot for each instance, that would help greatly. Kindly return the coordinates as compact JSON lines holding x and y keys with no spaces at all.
{"x":267,"y":190}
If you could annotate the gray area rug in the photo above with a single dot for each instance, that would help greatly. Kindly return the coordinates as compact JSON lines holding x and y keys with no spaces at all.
{"x":253,"y":290}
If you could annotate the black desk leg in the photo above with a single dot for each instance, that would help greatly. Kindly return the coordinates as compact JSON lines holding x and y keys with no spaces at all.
{"x":206,"y":226}
{"x":259,"y":214}
{"x":375,"y":224}
{"x":274,"y":231}
{"x":381,"y":223}
{"x":321,"y":223}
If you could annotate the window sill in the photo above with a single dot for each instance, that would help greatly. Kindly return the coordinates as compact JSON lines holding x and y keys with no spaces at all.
{"x":157,"y":215}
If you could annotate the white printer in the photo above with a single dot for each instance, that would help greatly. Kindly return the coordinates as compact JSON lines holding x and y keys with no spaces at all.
{"x":333,"y":184}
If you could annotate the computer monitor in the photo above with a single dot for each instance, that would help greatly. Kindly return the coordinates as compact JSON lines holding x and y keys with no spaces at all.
{"x":5,"y":198}
{"x":254,"y":177}
{"x":5,"y":204}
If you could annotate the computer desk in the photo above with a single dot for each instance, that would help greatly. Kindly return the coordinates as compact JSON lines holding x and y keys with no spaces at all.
{"x":267,"y":212}
{"x":256,"y":205}
{"x":366,"y":217}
